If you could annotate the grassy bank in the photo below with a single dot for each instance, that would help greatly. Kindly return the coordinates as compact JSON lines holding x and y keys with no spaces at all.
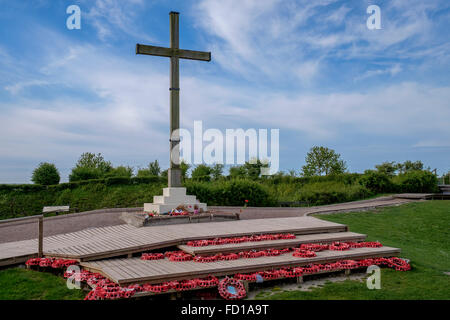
{"x":421,"y":230}
{"x":23,"y":200}
{"x":22,"y":284}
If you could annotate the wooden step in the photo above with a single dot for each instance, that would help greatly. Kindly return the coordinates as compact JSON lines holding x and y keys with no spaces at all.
{"x":135,"y":270}
{"x":275,"y":244}
{"x":156,"y":237}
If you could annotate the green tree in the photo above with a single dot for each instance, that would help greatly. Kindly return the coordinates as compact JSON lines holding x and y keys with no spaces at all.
{"x":253,"y":168}
{"x":154,"y":168}
{"x":446,"y":178}
{"x":323,"y":161}
{"x":85,"y":173}
{"x":387,"y":168}
{"x":409,"y":166}
{"x":184,"y":169}
{"x":141,"y":173}
{"x":217,"y":171}
{"x":120,"y":171}
{"x":201,"y":172}
{"x":237,"y":172}
{"x":46,"y":174}
{"x":94,"y":161}
{"x":165,"y":173}
{"x":90,"y":166}
{"x":376,"y":181}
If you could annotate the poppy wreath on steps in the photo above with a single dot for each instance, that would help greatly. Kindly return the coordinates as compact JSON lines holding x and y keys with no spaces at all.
{"x":231,"y":289}
{"x":152,"y":256}
{"x":207,"y":282}
{"x":314,"y":247}
{"x":339,"y":246}
{"x":399,"y":264}
{"x":348,"y":264}
{"x":304,"y":253}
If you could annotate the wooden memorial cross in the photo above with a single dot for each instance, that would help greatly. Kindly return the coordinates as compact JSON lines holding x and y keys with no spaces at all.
{"x":175,"y":53}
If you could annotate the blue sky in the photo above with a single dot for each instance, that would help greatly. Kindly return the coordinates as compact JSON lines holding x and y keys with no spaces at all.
{"x":309,"y":68}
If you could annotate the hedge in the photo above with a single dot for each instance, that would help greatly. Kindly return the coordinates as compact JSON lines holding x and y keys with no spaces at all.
{"x":231,"y":193}
{"x":417,"y":181}
{"x":377,"y":182}
{"x":75,"y":184}
{"x":27,"y":199}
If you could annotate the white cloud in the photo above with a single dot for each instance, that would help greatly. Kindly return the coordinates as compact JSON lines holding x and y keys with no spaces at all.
{"x":392,"y":71}
{"x":258,"y":38}
{"x":18,"y":86}
{"x":131,"y":109}
{"x":274,"y":37}
{"x":108,"y":16}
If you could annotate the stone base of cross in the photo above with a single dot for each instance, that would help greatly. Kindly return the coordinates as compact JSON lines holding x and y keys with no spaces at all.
{"x":173,"y":198}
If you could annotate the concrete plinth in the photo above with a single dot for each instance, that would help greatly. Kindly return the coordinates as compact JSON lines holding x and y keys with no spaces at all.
{"x":171,"y":199}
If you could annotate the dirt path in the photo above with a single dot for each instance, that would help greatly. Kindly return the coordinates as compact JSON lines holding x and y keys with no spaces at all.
{"x":109,"y":217}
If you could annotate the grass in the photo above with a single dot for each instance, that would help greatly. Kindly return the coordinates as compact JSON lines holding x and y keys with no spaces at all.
{"x":22,"y":284}
{"x":421,"y":230}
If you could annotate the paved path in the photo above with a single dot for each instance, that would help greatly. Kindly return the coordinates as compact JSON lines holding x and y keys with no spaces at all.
{"x":62,"y":224}
{"x":110,"y":217}
{"x":270,"y":212}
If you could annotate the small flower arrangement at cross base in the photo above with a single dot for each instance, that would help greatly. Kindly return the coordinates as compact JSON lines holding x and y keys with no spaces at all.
{"x":245,"y":205}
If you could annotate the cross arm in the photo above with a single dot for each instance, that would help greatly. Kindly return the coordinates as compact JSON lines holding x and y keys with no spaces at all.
{"x":170,"y":52}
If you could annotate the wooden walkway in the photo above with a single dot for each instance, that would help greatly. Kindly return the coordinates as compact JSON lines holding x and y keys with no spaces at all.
{"x":20,"y":251}
{"x":274,"y":244}
{"x":114,"y":241}
{"x":135,"y":270}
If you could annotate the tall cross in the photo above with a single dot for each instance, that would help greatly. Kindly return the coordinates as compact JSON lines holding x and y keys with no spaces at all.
{"x":175,"y":53}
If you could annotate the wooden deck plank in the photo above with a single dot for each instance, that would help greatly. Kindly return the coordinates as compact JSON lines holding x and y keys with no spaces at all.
{"x":310,"y":238}
{"x":159,"y":270}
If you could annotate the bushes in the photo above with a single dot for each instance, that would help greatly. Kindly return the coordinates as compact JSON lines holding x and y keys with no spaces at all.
{"x":21,"y":187}
{"x":412,"y":181}
{"x":28,"y":199}
{"x":346,"y":178}
{"x":85,"y":173}
{"x":45,"y":174}
{"x":201,"y":173}
{"x":120,"y":171}
{"x":231,"y":193}
{"x":148,"y":179}
{"x":417,"y":181}
{"x":235,"y":192}
{"x":376,"y":182}
{"x":446,"y":179}
{"x":332,"y":192}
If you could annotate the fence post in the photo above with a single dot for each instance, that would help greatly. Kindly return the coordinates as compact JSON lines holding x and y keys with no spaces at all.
{"x":41,"y":237}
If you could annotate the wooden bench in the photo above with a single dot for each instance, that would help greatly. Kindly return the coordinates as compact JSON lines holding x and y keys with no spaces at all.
{"x":56,"y":209}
